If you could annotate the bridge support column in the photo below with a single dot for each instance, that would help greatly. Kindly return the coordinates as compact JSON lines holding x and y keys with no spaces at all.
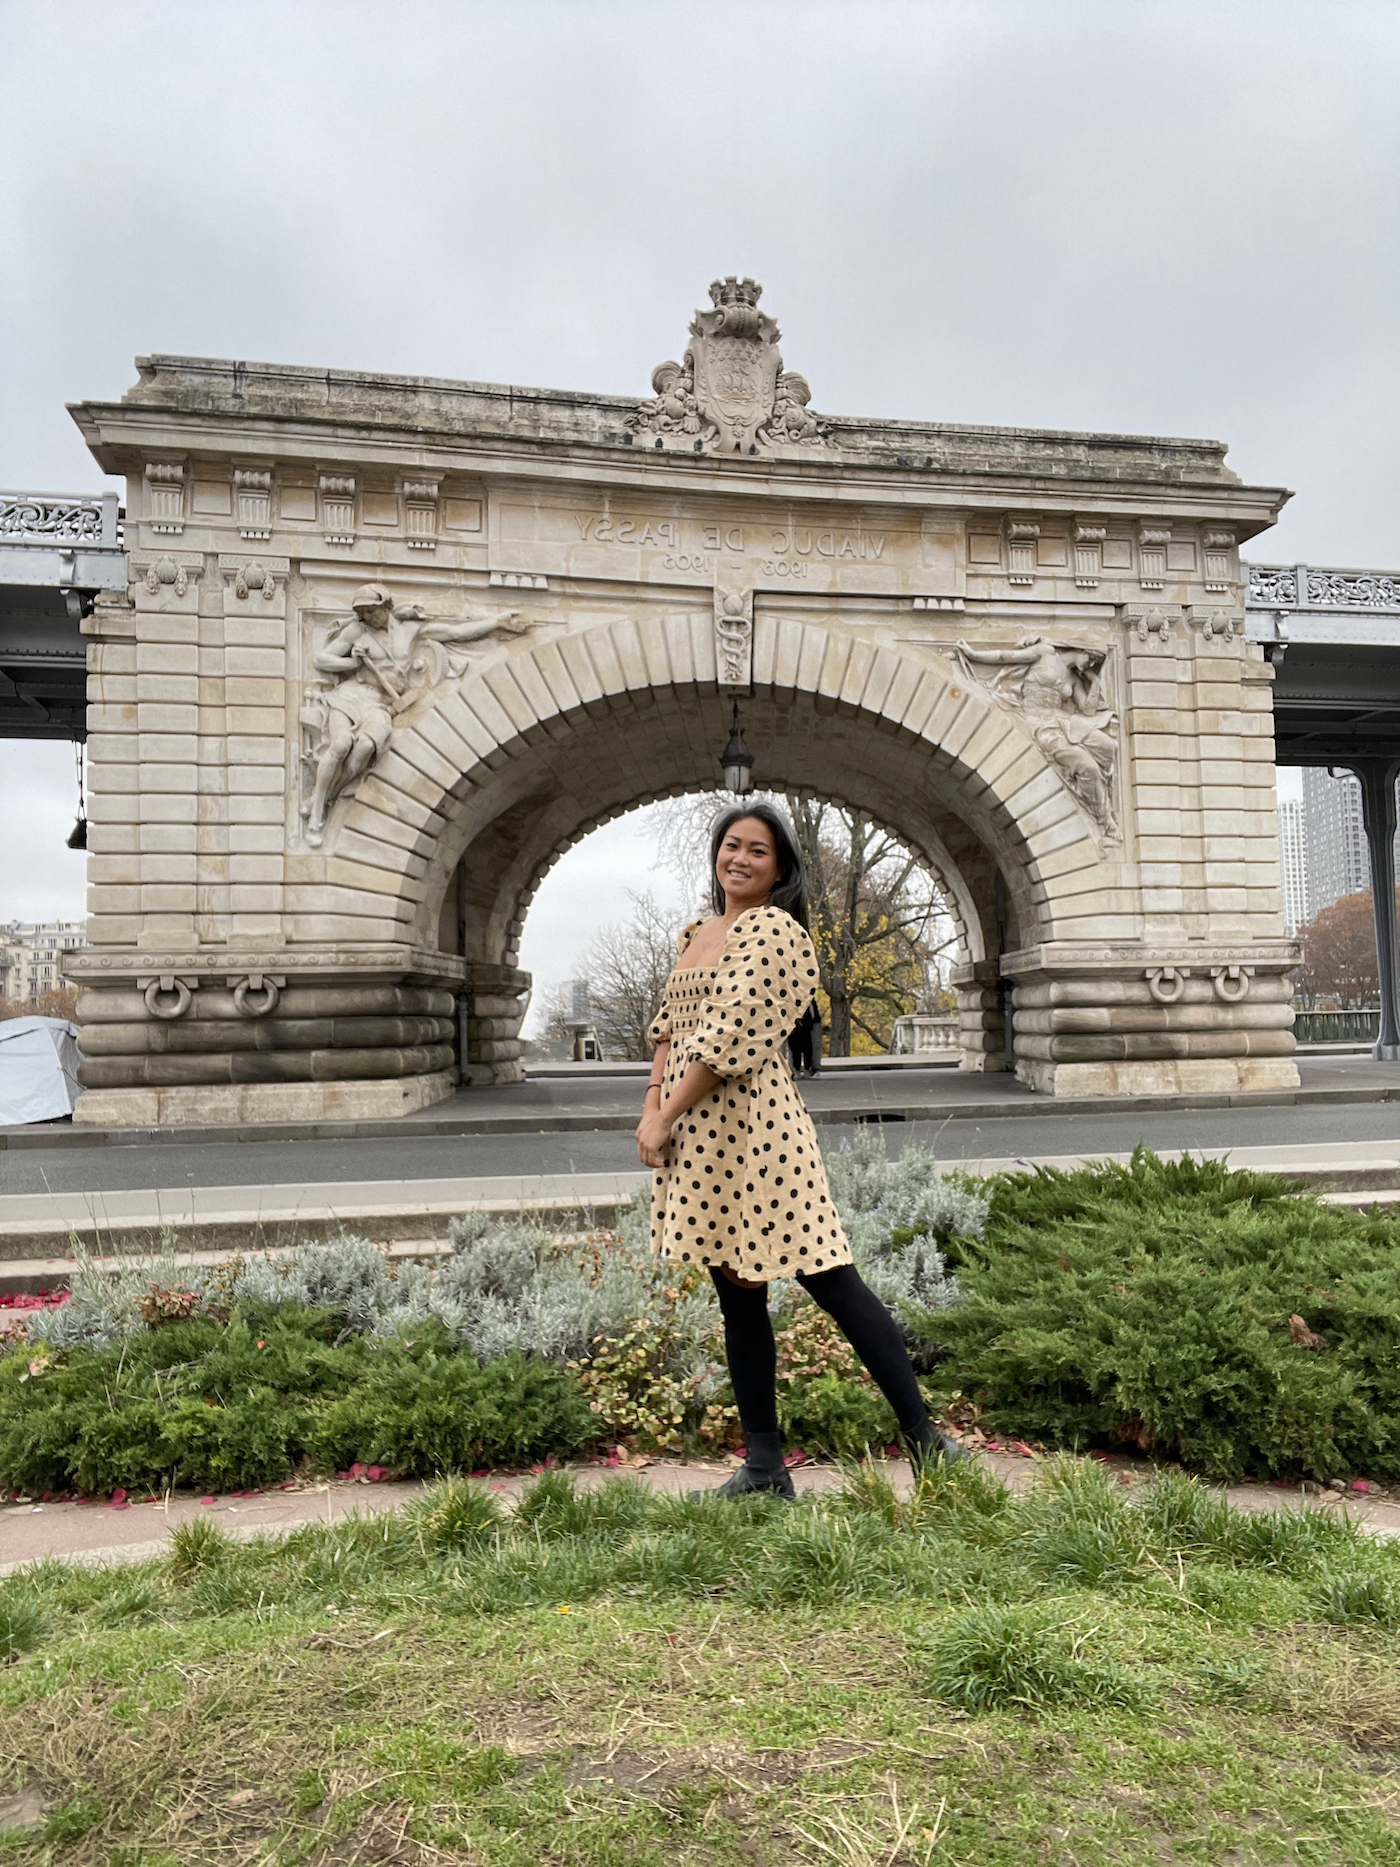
{"x":173,"y":1039}
{"x":1378,"y":813}
{"x":1181,"y":1022}
{"x":495,"y":1005}
{"x":981,"y":1016}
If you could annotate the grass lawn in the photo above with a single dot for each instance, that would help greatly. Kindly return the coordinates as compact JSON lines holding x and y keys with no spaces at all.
{"x":616,"y":1677}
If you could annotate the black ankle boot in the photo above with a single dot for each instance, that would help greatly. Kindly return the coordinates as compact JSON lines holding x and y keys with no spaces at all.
{"x":762,"y":1469}
{"x":932,"y":1449}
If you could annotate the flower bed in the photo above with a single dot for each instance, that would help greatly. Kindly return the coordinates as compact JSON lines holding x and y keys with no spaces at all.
{"x":518,"y":1347}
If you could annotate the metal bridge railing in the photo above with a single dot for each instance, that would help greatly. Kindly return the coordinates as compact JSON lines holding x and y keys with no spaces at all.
{"x":63,"y":519}
{"x":1337,"y":1027}
{"x":1312,"y":586}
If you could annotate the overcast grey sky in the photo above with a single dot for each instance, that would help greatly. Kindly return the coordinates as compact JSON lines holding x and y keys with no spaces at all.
{"x":1115,"y":214}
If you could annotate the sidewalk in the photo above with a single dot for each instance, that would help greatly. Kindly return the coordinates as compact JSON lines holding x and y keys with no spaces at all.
{"x":99,"y":1534}
{"x":579,"y":1103}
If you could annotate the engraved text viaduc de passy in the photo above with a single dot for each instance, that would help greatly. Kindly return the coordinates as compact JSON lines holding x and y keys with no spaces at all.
{"x":781,"y":551}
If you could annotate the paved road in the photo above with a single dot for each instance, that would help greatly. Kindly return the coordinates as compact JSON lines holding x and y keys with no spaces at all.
{"x":435,"y":1157}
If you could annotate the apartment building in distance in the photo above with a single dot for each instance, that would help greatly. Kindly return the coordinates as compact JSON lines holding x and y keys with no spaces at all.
{"x":1293,"y":855}
{"x":31,"y":957}
{"x":1322,"y":845}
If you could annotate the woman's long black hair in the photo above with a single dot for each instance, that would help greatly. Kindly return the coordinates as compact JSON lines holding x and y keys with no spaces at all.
{"x":790,"y":892}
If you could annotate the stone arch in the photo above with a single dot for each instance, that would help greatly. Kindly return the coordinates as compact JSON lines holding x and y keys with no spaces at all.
{"x":519,"y":760}
{"x":957,"y":900}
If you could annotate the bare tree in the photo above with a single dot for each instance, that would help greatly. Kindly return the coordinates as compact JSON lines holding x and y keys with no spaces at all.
{"x":627,"y":968}
{"x":61,"y":1002}
{"x":879,"y":922}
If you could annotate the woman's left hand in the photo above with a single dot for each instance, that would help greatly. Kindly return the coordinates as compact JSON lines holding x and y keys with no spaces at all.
{"x":653,"y":1134}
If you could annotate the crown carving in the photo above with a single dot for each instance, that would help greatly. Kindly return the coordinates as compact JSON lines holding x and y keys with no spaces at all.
{"x":732,"y":291}
{"x":730,"y":394}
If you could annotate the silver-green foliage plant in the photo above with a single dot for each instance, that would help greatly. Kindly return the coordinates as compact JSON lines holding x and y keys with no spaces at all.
{"x":350,"y":1277}
{"x":510,"y":1286}
{"x":103,"y":1304}
{"x":516,"y":1286}
{"x":897,"y":1214}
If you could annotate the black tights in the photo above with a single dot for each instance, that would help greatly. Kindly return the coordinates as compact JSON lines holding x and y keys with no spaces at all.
{"x":859,"y":1314}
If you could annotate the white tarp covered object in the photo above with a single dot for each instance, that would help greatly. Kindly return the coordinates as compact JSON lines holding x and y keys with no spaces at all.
{"x":38,"y":1069}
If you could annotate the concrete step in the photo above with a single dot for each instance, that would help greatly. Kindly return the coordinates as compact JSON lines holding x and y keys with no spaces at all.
{"x":42,"y":1230}
{"x":207,"y":1225}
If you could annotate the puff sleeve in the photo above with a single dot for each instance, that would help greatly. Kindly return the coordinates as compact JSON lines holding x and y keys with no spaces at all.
{"x":765,"y":980}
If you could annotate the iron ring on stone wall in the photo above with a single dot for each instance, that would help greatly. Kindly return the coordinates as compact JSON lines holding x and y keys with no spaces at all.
{"x":256,"y":984}
{"x":1167,"y":983}
{"x":160,"y":989}
{"x":1226,"y":977}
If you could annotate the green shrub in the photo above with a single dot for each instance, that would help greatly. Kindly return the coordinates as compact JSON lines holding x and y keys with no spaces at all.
{"x":1150,"y":1304}
{"x":243,"y":1404}
{"x":827,"y":1403}
{"x":441,"y":1412}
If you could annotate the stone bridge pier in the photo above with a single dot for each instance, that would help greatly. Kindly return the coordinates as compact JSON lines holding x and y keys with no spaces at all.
{"x":389,"y":646}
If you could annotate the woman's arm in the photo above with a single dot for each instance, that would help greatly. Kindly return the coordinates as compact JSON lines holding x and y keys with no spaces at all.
{"x":658,"y":1119}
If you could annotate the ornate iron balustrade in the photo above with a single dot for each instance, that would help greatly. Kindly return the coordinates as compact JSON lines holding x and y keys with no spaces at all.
{"x":62,"y":519}
{"x":1308,"y":586}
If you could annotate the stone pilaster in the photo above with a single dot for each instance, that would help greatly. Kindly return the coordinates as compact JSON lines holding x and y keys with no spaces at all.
{"x":495,"y":1005}
{"x":981,"y":1016}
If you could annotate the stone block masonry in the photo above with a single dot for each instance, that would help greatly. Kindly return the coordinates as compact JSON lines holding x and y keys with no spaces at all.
{"x":391,"y":645}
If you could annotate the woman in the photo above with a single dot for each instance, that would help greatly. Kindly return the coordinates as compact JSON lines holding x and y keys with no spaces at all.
{"x":740,"y":1186}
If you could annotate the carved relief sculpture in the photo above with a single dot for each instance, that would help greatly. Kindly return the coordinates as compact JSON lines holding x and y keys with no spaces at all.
{"x":1215,"y":624}
{"x":1153,"y":621}
{"x":376,"y":663}
{"x":731,"y":391}
{"x":1059,"y":688}
{"x":734,"y":637}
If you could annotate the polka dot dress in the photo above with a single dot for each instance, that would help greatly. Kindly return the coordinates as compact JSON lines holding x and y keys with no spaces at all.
{"x":744,"y":1185}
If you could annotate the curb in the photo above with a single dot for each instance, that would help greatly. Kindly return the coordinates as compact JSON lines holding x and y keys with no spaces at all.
{"x":37,"y":1252}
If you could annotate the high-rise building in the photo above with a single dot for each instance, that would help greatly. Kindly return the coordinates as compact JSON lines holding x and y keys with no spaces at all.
{"x":1293,"y":850}
{"x":1336,"y":858}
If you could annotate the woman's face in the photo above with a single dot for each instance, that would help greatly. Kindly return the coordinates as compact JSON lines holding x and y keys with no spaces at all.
{"x":747,"y":864}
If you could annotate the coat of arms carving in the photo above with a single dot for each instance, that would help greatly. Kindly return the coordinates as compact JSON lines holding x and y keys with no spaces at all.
{"x":731,"y":393}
